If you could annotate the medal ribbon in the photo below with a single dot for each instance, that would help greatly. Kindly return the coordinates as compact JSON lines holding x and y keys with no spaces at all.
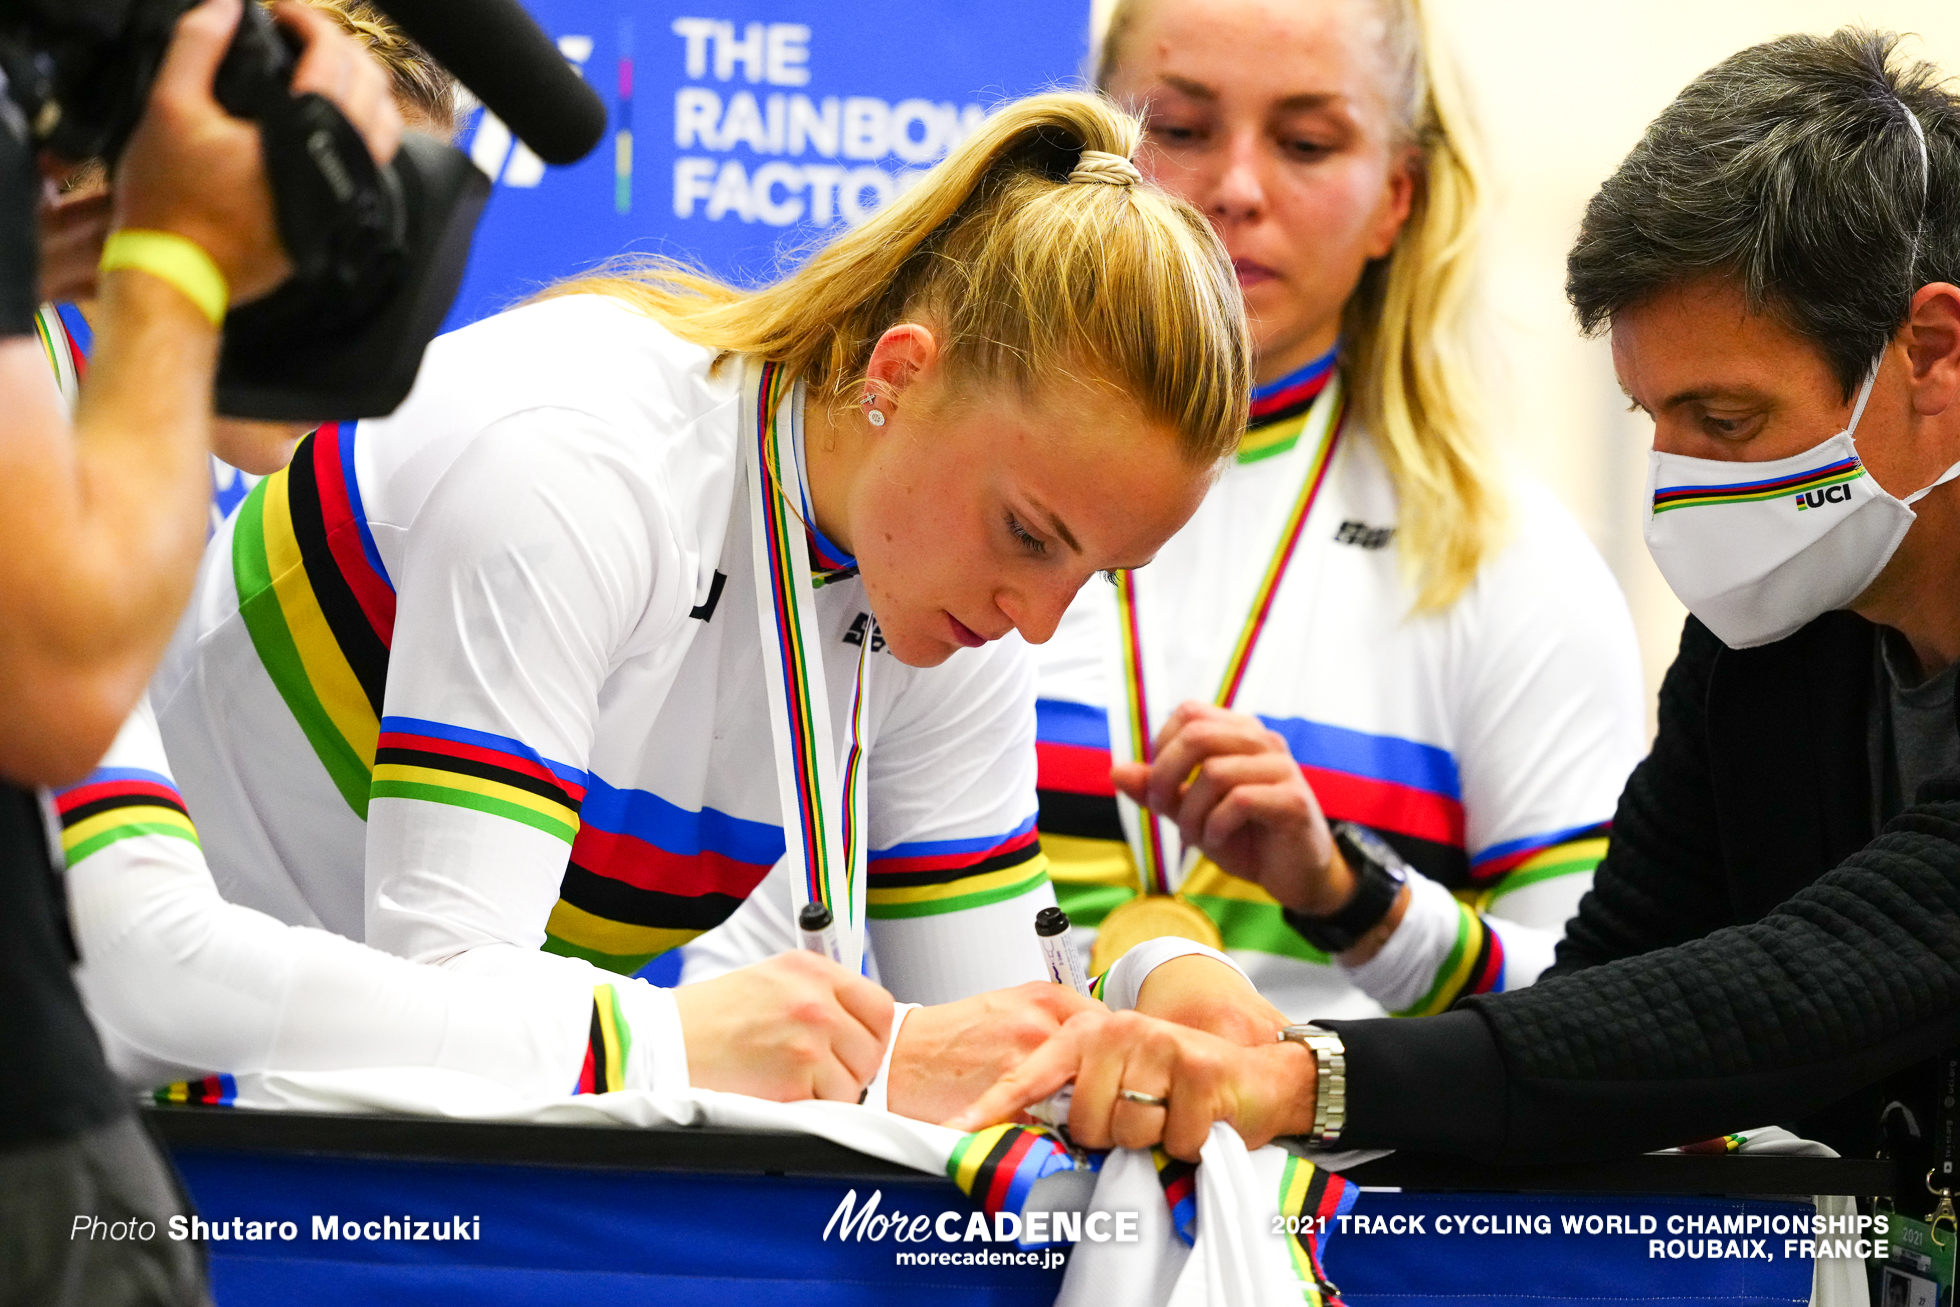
{"x":823,"y":803}
{"x":1150,"y":838}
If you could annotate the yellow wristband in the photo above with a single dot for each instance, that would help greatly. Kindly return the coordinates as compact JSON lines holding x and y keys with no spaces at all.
{"x":178,"y":260}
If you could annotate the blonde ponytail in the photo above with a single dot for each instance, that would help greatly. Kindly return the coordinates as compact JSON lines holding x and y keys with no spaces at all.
{"x":1029,"y":252}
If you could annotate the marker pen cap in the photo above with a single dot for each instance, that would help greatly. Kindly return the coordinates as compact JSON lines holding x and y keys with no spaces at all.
{"x":1050,"y":921}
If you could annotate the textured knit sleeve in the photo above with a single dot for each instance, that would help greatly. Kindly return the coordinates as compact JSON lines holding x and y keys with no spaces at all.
{"x":1851,"y":979}
{"x":1661,"y":882}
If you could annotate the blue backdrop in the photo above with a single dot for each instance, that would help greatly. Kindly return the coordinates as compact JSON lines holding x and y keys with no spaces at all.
{"x":741,"y":131}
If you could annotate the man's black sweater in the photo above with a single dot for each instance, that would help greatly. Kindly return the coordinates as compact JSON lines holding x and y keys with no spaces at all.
{"x":1751,"y":951}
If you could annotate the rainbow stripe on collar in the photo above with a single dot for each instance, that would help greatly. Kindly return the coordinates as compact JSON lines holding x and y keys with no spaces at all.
{"x":1280,"y":411}
{"x":1667,"y":498}
{"x":1293,"y":393}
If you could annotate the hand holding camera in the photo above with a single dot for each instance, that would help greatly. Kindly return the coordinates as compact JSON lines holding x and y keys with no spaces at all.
{"x":193,"y":169}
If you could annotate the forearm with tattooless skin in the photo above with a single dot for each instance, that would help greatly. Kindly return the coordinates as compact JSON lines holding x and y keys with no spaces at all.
{"x":105,"y":523}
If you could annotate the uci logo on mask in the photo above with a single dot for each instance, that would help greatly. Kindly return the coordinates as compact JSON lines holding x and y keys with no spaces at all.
{"x":1838,"y":494}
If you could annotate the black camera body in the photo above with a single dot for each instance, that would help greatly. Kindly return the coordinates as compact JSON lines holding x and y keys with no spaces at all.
{"x":377,"y":252}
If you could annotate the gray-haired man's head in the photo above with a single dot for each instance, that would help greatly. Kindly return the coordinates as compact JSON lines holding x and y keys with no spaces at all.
{"x":1793,"y":167}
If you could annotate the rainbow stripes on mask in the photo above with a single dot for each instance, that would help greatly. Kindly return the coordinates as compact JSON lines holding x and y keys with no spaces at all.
{"x":1797,"y":484}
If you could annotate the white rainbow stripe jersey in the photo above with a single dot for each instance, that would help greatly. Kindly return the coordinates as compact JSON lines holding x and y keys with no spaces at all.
{"x":501,"y":648}
{"x":1487,"y":742}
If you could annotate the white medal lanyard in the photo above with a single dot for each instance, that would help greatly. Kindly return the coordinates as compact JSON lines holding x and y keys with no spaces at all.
{"x":1132,"y":725}
{"x":823,"y":796}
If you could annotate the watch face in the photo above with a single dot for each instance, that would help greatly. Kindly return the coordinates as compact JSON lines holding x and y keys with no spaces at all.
{"x":1373,"y":848}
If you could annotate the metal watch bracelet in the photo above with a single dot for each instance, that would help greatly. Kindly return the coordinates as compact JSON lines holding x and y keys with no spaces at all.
{"x":1330,"y":1079}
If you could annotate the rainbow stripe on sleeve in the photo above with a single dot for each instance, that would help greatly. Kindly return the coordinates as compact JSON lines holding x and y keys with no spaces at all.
{"x":112,"y":804}
{"x":1409,"y":792}
{"x":932,"y":877}
{"x":1517,"y":863}
{"x":1474,"y":965}
{"x":642,"y":877}
{"x":646,"y":876}
{"x":318,"y":603}
{"x":1668,"y":498}
{"x":435,"y":763}
{"x":212,"y":1091}
{"x":607,"y":1046}
{"x":66,"y":340}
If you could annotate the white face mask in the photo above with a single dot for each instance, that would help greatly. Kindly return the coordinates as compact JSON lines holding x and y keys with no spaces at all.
{"x":1756,"y":550}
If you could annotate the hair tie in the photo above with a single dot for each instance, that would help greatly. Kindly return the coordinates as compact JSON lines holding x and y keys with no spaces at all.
{"x":1101,"y":168}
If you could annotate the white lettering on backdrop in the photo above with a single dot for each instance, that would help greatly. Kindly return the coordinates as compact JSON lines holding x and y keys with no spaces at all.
{"x":771,"y":128}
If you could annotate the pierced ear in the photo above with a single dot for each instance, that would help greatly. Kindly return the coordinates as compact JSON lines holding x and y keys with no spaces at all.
{"x":870,"y":401}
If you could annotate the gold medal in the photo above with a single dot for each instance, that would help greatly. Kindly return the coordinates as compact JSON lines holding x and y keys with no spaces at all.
{"x":1147,"y":917}
{"x":1159,"y":908}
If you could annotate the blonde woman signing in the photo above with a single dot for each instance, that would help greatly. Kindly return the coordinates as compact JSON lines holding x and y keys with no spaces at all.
{"x":1365,"y":625}
{"x":654,"y":583}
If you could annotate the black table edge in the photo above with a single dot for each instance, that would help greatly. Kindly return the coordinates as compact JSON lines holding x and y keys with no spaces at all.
{"x":747,"y":1152}
{"x":700,"y":1148}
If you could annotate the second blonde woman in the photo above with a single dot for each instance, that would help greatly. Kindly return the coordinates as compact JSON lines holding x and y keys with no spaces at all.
{"x":1409,"y":686}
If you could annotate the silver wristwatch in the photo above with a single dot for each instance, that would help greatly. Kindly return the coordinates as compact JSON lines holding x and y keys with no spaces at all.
{"x":1330,"y":1082}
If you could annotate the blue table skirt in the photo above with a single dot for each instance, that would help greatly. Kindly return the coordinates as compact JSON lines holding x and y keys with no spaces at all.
{"x":560,"y":1234}
{"x":1464,"y":1268}
{"x":551,"y":1234}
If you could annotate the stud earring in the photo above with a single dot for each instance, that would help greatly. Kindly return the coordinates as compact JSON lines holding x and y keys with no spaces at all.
{"x":871,"y":413}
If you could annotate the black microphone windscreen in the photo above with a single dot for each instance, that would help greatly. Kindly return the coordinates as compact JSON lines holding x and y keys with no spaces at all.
{"x":497,"y":50}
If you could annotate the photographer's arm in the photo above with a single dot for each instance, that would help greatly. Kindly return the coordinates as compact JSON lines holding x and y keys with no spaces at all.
{"x":107,"y":522}
{"x":108,"y":525}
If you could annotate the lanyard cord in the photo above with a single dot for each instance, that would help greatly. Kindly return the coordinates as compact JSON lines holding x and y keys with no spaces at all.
{"x":1152,"y":865}
{"x":823,"y":804}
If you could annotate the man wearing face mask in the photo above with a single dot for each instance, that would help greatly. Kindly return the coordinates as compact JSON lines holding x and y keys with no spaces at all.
{"x":1774,"y":935}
